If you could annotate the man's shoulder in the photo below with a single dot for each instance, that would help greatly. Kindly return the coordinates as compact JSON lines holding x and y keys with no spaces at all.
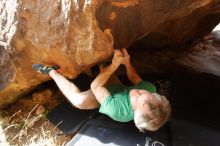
{"x":116,"y":88}
{"x":146,"y":85}
{"x":110,"y":105}
{"x":117,"y":107}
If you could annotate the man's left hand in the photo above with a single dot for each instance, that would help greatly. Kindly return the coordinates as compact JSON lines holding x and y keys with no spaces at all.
{"x":117,"y":58}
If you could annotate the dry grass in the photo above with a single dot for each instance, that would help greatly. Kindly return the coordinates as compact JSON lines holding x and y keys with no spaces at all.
{"x":21,"y":126}
{"x":41,"y":134}
{"x":46,"y":138}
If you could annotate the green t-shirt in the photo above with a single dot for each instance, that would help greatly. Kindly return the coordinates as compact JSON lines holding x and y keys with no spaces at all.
{"x":118,"y":105}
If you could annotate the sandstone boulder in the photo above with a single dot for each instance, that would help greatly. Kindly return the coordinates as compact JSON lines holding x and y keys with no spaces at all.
{"x":78,"y":34}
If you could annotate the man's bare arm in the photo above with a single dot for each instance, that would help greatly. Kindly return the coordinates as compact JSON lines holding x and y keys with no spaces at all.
{"x":130,"y":71}
{"x":132,"y":74}
{"x":97,"y":86}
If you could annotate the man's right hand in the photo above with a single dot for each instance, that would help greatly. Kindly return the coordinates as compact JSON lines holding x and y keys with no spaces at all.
{"x":126,"y":60}
{"x":117,"y":58}
{"x":130,"y":71}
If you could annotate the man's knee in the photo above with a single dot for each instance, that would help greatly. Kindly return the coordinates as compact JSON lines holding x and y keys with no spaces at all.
{"x":80,"y":105}
{"x":77,"y":100}
{"x":86,"y":105}
{"x":86,"y":100}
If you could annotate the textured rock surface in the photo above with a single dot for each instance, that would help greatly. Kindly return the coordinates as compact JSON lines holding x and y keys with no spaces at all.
{"x":203,"y":57}
{"x":76,"y":34}
{"x":50,"y":32}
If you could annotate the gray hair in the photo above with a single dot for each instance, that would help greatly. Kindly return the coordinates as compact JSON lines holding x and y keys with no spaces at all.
{"x":160,"y":113}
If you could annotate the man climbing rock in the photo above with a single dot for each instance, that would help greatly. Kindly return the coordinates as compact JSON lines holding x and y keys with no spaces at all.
{"x":122,"y":103}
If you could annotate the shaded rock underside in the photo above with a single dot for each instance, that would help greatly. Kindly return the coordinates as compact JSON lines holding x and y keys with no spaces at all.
{"x":79,"y":34}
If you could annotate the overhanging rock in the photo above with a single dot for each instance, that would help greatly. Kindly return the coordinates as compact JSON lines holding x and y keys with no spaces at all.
{"x":76,"y":34}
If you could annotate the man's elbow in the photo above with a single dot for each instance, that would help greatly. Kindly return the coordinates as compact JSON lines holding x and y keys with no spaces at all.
{"x":93,"y":86}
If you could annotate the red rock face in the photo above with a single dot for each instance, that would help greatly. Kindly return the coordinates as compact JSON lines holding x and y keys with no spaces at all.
{"x":49,"y":32}
{"x":76,"y":34}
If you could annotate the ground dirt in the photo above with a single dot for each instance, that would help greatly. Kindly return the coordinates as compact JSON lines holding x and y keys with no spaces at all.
{"x":25,"y":124}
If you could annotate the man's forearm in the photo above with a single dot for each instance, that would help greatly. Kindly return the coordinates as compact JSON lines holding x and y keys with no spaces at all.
{"x":132,"y":74}
{"x":104,"y":76}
